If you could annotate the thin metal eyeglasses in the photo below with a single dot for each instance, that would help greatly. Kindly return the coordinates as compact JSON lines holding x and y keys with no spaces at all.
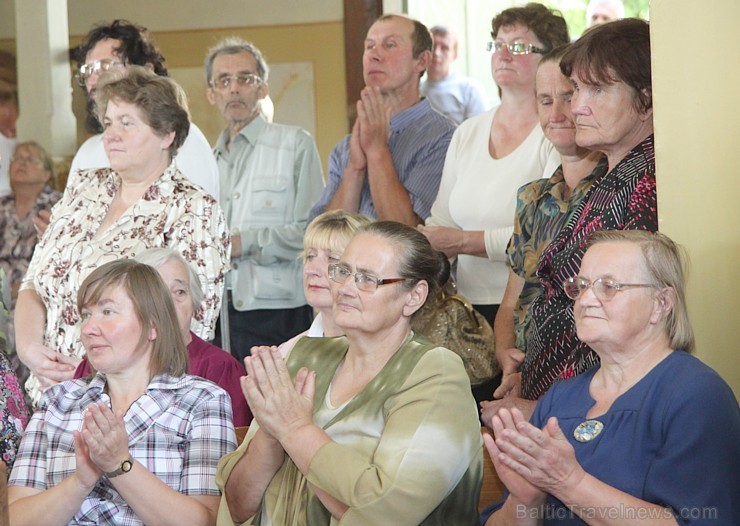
{"x":98,"y":66}
{"x":604,"y":288}
{"x":366,"y":282}
{"x":250,"y":79}
{"x":515,"y":48}
{"x":27,"y":160}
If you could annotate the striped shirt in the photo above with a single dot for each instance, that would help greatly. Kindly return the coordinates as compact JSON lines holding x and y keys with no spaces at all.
{"x":178,"y":430}
{"x":418,"y":143}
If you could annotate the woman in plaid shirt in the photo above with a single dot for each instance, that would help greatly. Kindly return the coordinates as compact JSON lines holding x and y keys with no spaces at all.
{"x":139,"y":442}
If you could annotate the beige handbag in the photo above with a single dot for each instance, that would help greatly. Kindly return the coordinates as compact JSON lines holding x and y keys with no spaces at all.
{"x":452,"y":322}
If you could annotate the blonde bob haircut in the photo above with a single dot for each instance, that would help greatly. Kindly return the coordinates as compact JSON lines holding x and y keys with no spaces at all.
{"x":152,"y":304}
{"x":666,"y":264}
{"x":332,"y":231}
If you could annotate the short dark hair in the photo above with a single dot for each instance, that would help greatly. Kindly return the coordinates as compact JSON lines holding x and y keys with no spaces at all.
{"x":153,"y":306}
{"x":421,"y":37}
{"x":157,"y":97}
{"x":615,"y":52}
{"x":548,"y":24}
{"x":136,"y":47}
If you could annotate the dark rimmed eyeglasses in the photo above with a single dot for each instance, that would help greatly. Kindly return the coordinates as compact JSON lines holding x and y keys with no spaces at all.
{"x":604,"y":288}
{"x":366,"y":282}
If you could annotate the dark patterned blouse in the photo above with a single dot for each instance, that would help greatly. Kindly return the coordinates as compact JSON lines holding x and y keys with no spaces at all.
{"x":624,"y":199}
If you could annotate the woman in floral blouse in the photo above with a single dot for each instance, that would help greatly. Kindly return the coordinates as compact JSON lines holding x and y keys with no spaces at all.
{"x":141,"y":201}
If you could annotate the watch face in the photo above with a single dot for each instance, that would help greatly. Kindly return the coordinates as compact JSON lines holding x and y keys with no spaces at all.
{"x":126,"y":466}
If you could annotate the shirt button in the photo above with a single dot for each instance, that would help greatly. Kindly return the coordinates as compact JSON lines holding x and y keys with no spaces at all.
{"x":237,"y":195}
{"x":239,"y":303}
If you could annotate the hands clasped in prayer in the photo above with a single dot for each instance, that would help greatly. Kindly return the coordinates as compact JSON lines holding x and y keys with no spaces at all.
{"x":280,"y":407}
{"x":372,"y":127}
{"x":529,"y":460}
{"x":101,"y":445}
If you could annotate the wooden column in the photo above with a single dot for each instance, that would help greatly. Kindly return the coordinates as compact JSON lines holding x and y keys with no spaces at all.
{"x":359,"y":15}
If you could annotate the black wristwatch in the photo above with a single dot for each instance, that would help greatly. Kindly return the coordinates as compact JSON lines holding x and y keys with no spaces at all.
{"x":126,"y":466}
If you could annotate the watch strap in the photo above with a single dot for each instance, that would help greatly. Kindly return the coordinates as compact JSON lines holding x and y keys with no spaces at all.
{"x":125,"y":467}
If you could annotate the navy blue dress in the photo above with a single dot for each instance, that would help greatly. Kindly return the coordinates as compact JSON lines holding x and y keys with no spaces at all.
{"x":673,"y":439}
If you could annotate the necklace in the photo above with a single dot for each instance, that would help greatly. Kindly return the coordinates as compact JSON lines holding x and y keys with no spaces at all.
{"x":588,"y":430}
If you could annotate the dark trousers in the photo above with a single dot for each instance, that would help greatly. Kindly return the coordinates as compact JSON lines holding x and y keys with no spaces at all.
{"x":485,"y":390}
{"x":263,"y":327}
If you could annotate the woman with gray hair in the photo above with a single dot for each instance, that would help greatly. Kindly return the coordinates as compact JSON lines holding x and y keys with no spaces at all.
{"x":142,"y":201}
{"x":204,"y":359}
{"x":624,"y":442}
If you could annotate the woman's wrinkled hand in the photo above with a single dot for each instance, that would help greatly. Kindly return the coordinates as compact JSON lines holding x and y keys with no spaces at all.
{"x":51,"y":367}
{"x":279,"y":406}
{"x":542,"y":457}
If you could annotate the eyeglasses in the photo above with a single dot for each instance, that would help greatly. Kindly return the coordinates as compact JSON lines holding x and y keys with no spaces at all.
{"x":27,"y":160}
{"x":250,"y":79}
{"x":604,"y":288}
{"x":99,"y":66}
{"x":365,"y":282}
{"x":515,"y":48}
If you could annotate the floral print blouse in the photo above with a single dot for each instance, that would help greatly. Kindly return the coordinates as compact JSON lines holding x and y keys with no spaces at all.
{"x":172,"y":213}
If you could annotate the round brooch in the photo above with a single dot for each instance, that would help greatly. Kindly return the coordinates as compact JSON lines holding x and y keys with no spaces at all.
{"x":588,"y":430}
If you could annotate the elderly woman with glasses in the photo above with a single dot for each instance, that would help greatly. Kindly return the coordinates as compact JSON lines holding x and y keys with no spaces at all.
{"x":377,"y":427}
{"x":142,"y":201}
{"x":649,"y":435}
{"x":491,"y":156}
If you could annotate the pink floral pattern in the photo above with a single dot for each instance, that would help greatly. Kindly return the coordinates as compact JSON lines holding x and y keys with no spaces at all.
{"x":172,"y":213}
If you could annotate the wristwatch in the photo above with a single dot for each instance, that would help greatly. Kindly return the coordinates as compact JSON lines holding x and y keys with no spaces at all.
{"x":126,"y":466}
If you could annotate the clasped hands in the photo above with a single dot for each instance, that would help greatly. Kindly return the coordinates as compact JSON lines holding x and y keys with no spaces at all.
{"x":50,"y":367}
{"x":102,"y":444}
{"x":372,"y":127}
{"x":280,"y":407}
{"x":531,"y":462}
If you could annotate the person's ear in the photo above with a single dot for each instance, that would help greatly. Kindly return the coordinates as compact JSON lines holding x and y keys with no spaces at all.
{"x":663,"y":304}
{"x":423,"y":61}
{"x":415,"y":298}
{"x":167,"y":140}
{"x":211,"y":95}
{"x":263,"y":90}
{"x":152,"y":333}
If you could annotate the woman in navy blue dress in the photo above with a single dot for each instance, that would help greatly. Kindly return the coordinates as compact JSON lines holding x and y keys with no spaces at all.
{"x":648,"y":436}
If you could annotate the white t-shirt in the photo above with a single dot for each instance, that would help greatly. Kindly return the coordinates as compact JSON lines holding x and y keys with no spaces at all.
{"x":195,"y":159}
{"x":478,"y":192}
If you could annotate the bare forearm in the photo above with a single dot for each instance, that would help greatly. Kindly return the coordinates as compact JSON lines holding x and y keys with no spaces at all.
{"x":30,"y":320}
{"x":513,"y":514}
{"x":56,"y":505}
{"x":390,"y":198}
{"x":251,"y":476}
{"x":503,"y":330}
{"x":156,"y":503}
{"x":347,"y":196}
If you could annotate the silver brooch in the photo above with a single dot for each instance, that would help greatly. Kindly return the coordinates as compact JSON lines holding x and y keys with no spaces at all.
{"x":588,"y":430}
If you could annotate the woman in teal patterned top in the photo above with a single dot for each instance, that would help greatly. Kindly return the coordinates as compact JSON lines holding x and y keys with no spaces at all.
{"x":376,"y":427}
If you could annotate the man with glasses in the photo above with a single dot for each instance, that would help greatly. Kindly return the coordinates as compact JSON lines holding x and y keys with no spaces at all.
{"x":112,"y":47}
{"x":270,"y":176}
{"x":390,"y":166}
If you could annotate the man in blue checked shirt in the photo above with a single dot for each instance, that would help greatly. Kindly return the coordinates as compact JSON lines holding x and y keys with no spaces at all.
{"x":390,"y":166}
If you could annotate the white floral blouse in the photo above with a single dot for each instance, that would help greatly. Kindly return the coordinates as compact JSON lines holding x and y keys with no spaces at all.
{"x":172,"y":213}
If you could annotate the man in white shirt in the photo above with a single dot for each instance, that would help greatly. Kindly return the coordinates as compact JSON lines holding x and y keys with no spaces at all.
{"x":454,"y":95}
{"x":116,"y":45}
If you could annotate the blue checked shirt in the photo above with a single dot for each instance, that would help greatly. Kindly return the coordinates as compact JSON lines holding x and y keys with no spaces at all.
{"x":418,"y":143}
{"x":178,"y":430}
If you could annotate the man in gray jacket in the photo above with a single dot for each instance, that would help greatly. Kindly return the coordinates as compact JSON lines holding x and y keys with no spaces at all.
{"x":270,"y":177}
